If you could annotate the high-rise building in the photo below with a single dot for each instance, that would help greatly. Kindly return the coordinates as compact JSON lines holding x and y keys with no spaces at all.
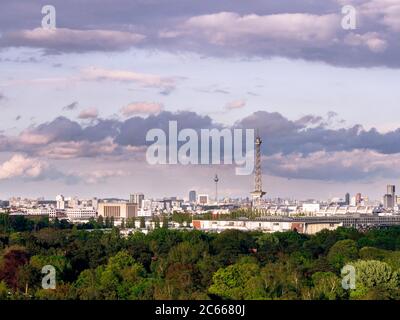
{"x":358,"y":199}
{"x":137,"y":198}
{"x":60,"y":202}
{"x":192,"y":196}
{"x":391,"y":189}
{"x":347,"y":199}
{"x":388,"y":201}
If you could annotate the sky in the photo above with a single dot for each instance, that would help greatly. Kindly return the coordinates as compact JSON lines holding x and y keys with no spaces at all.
{"x":77,"y":101}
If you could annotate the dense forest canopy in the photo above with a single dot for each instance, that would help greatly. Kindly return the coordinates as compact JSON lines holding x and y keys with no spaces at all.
{"x":92,"y":262}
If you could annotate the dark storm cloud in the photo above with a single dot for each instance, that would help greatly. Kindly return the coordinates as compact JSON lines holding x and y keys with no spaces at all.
{"x":309,"y":30}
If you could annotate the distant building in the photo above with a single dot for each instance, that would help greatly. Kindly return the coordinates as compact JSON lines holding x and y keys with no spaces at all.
{"x":203,"y":199}
{"x":60,"y":202}
{"x":391,"y":189}
{"x":80,"y":213}
{"x":137,"y":198}
{"x":347,"y":199}
{"x":275,"y":225}
{"x":388,"y":201}
{"x":192,"y":196}
{"x":118,"y":210}
{"x":311,"y":207}
{"x":358,"y":199}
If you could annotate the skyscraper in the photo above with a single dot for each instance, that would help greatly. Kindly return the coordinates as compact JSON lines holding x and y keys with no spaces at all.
{"x":137,"y":198}
{"x":358,"y":199}
{"x":60,"y":202}
{"x":347,"y":199}
{"x":388,"y":201}
{"x":192,"y":196}
{"x":391,"y":189}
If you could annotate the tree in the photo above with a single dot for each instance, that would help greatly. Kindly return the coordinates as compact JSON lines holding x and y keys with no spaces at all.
{"x":122,"y":278}
{"x":13,"y":259}
{"x":230,"y":244}
{"x":326,"y":286}
{"x":5,"y":292}
{"x":156,"y":222}
{"x":100,"y":222}
{"x":342,"y":252}
{"x":281,"y":280}
{"x":142,"y":223}
{"x":165,"y":222}
{"x":392,"y":258}
{"x":107,"y":223}
{"x":374,"y":276}
{"x":238,"y":281}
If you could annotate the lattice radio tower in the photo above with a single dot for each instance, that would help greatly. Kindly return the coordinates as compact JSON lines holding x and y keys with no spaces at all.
{"x":258,"y":192}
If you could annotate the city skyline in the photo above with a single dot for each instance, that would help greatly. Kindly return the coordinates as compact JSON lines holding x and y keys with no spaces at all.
{"x":324,"y":99}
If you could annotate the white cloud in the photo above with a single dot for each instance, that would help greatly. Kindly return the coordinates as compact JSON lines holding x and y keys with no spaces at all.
{"x":334,"y":166}
{"x":371,"y":39}
{"x":78,"y":149}
{"x":75,"y":40}
{"x":31,"y":138}
{"x":141,"y":108}
{"x":226,"y":27}
{"x":237,"y":104}
{"x":146,"y":80}
{"x":97,"y":176}
{"x":90,"y":113}
{"x":21,"y":166}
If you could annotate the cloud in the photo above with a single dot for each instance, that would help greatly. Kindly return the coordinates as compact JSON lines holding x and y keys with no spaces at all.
{"x":71,"y":106}
{"x":166,"y":84}
{"x":22,"y":166}
{"x":141,"y":108}
{"x":237,"y":104}
{"x":311,"y":147}
{"x":371,"y":40}
{"x":305,"y":135}
{"x":70,"y":40}
{"x":309,"y":30}
{"x":79,"y":149}
{"x":90,"y":113}
{"x":99,"y":176}
{"x":226,"y":27}
{"x":385,"y":12}
{"x":356,"y":165}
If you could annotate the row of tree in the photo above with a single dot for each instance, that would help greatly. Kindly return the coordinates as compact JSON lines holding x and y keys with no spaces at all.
{"x":171,"y":264}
